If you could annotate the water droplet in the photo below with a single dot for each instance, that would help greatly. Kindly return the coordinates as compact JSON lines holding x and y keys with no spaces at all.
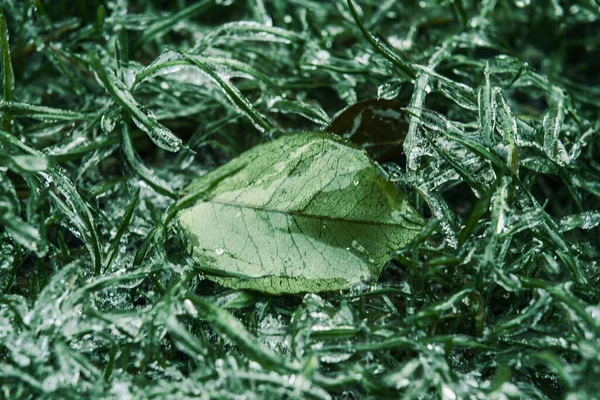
{"x":108,"y":122}
{"x":356,"y":182}
{"x":322,"y":56}
{"x":219,"y":250}
{"x":190,"y":308}
{"x":358,"y":247}
{"x":363,"y":59}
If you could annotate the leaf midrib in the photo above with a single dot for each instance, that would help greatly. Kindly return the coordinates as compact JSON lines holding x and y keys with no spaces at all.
{"x":306,"y":215}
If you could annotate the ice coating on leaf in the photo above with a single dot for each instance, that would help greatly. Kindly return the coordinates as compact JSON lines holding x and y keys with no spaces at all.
{"x":108,"y":121}
{"x":158,"y":68}
{"x":553,"y":121}
{"x":249,"y":31}
{"x":292,"y":214}
{"x":389,"y":90}
{"x":7,"y":81}
{"x":31,"y":163}
{"x":309,"y":111}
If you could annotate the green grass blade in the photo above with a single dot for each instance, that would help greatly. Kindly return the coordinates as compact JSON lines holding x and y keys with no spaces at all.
{"x":66,"y":197}
{"x":8,"y":79}
{"x":380,"y":46}
{"x":163,"y":25}
{"x":238,"y":100}
{"x":116,"y":242}
{"x":140,"y":169}
{"x":41,"y":113}
{"x":159,"y":134}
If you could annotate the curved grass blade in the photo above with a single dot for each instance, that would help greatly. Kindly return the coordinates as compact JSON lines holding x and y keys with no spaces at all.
{"x":561,"y":294}
{"x":23,"y":233}
{"x":380,"y":46}
{"x":86,"y":147}
{"x":234,"y":95}
{"x":169,"y":60}
{"x":8,"y":80}
{"x":67,"y":199}
{"x":159,"y":134}
{"x":506,"y":123}
{"x":225,"y":324}
{"x":114,"y":246}
{"x":437,"y":122}
{"x":486,"y":107}
{"x":247,"y":31}
{"x":164,"y":24}
{"x":309,"y":111}
{"x":553,"y":121}
{"x":585,"y":220}
{"x":139,"y":168}
{"x":41,"y":113}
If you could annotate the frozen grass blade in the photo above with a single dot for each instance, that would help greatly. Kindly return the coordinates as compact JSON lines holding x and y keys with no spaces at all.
{"x":507,"y":125}
{"x":308,"y":111}
{"x":8,"y":80}
{"x":163,"y":25}
{"x":140,"y":169}
{"x":496,"y":297}
{"x":116,"y":241}
{"x":487,"y":107}
{"x":445,"y":127}
{"x":585,"y":220}
{"x":41,"y":113}
{"x":553,"y":121}
{"x":170,"y":60}
{"x":381,"y":47}
{"x":66,"y":198}
{"x":246,"y":31}
{"x":234,"y":95}
{"x":159,"y":134}
{"x":23,"y":233}
{"x":224,"y":323}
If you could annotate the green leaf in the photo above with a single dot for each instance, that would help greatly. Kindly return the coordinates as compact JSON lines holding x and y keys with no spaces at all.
{"x":303,"y":213}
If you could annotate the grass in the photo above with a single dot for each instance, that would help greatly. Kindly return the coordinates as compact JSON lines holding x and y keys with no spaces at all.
{"x":110,"y":108}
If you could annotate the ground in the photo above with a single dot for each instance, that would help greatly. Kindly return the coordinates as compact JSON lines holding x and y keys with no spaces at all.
{"x":485,"y":114}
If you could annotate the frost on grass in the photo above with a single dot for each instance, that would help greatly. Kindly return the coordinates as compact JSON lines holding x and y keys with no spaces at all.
{"x":495,"y":144}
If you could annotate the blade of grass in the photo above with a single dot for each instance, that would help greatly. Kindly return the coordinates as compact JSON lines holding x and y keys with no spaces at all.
{"x":174,"y":59}
{"x":247,"y":31}
{"x":40,"y":112}
{"x":75,"y":208}
{"x":8,"y":80}
{"x":159,"y":134}
{"x":160,"y":27}
{"x":381,"y":47}
{"x":234,"y":95}
{"x":225,"y":324}
{"x":139,"y":168}
{"x":116,"y":242}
